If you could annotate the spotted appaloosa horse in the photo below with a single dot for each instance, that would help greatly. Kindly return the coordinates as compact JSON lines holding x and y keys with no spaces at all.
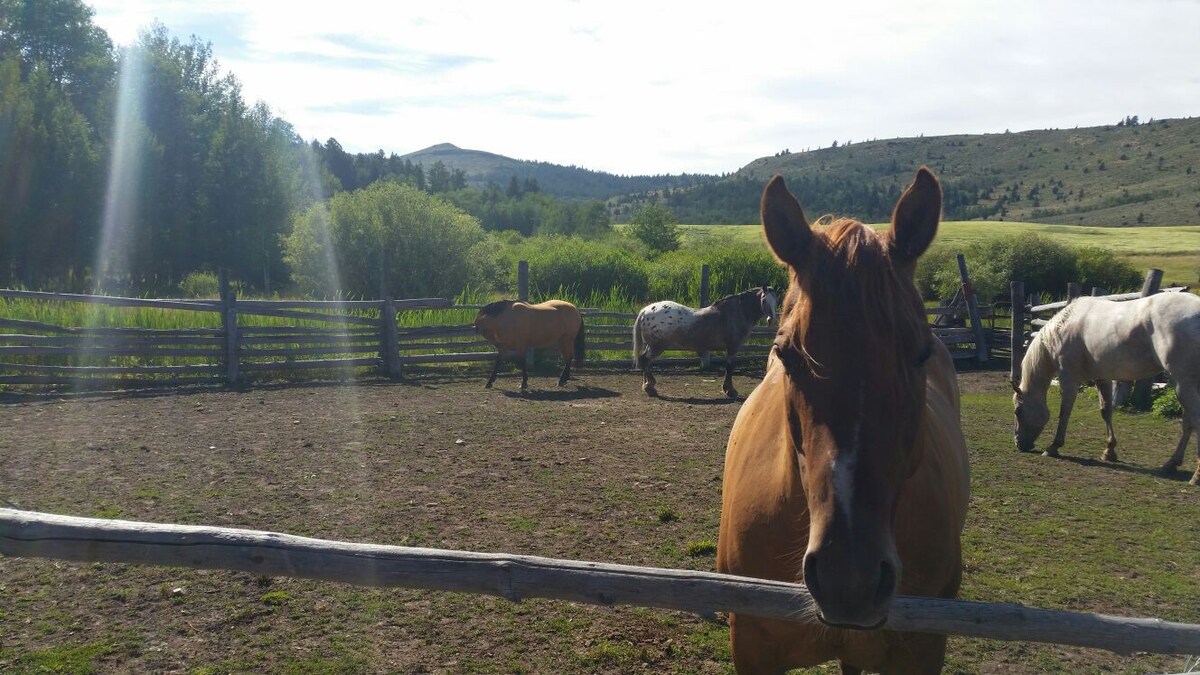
{"x":515,"y":327}
{"x":846,"y":467}
{"x":723,"y":325}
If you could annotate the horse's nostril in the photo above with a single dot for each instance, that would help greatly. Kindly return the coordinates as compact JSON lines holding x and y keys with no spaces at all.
{"x":887,"y":583}
{"x":810,"y":574}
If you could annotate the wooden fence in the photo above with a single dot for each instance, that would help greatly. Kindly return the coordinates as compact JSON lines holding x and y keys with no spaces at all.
{"x":42,"y":535}
{"x":242,"y":339}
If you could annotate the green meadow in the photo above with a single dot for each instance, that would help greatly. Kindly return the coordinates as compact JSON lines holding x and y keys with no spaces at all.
{"x":1175,"y":250}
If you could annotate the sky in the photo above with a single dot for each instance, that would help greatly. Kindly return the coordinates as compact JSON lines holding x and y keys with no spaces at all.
{"x":697,"y":86}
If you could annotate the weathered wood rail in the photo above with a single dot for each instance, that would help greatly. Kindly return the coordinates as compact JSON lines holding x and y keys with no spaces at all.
{"x":515,"y":577}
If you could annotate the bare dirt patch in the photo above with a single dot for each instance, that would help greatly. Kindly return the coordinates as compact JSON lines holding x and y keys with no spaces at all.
{"x":595,"y":471}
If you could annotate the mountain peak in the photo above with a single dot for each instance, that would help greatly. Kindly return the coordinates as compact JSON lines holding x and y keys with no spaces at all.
{"x":440,"y":147}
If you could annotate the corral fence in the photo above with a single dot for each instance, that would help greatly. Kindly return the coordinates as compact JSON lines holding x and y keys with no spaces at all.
{"x":1028,"y":319}
{"x":234,"y":340}
{"x":42,"y":535}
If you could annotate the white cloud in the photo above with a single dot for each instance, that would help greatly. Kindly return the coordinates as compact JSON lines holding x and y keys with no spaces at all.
{"x":698,"y":86}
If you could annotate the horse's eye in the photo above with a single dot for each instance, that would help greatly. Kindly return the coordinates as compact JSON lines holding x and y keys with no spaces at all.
{"x":925,"y":354}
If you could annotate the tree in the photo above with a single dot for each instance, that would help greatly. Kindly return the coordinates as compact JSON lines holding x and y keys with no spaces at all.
{"x":656,"y":227}
{"x":419,"y":242}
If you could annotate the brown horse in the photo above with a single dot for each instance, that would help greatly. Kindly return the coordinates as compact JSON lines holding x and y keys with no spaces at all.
{"x":515,"y":327}
{"x":846,"y":468}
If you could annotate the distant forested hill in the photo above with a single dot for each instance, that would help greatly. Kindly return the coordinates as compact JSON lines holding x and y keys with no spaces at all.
{"x":482,"y":168}
{"x":1125,"y":174}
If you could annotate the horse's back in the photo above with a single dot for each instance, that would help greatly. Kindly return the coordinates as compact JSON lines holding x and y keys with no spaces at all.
{"x":542,"y":325}
{"x":1103,"y":339}
{"x":765,"y":522}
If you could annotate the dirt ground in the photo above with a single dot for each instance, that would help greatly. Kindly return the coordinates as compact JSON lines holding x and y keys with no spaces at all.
{"x":594,"y":471}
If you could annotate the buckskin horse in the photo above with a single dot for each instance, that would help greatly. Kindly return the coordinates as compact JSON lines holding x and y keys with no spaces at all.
{"x":846,"y":468}
{"x":1098,"y":340}
{"x":723,"y":325}
{"x":515,"y":327}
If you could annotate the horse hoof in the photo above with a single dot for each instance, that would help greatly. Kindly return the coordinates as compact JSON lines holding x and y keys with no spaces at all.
{"x":650,"y":391}
{"x":488,"y":385}
{"x":1195,"y":480}
{"x":731,"y":393}
{"x":1050,"y":453}
{"x":1109,"y":456}
{"x":1168,"y":468}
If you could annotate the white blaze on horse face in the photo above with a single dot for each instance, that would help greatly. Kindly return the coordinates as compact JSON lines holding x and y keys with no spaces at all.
{"x":843,"y":474}
{"x":845,"y":463}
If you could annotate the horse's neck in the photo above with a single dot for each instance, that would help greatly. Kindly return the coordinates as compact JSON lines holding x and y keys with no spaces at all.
{"x":1038,"y":368}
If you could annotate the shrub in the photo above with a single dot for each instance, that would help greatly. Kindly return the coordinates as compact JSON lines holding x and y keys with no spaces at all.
{"x":1045,"y":266}
{"x":1166,"y":404}
{"x":200,"y":285}
{"x":735,"y":267}
{"x":580,"y":267}
{"x":656,"y":227}
{"x":339,"y":249}
{"x":1099,"y":267}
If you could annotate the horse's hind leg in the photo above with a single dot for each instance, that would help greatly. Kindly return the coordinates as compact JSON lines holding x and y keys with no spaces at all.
{"x":521,"y":358}
{"x":1189,"y":399}
{"x":567,"y":353}
{"x":1105,"y":389}
{"x":644,"y":360}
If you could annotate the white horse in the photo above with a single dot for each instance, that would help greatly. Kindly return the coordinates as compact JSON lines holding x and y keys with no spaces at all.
{"x":723,"y":325}
{"x":1098,"y":340}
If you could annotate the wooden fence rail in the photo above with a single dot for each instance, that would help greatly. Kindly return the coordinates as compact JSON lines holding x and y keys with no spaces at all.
{"x":515,"y":577}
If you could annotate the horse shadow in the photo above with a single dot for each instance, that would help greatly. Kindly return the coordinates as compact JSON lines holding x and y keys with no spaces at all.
{"x":579,"y":393}
{"x":1178,"y":475}
{"x":696,"y":400}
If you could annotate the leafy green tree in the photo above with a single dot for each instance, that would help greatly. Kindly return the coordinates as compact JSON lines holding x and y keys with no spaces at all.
{"x":387,"y":237}
{"x":656,"y":227}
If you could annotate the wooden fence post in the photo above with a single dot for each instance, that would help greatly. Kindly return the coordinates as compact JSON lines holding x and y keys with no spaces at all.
{"x":705,"y":275}
{"x":229,"y":325}
{"x":1098,"y":292}
{"x":390,"y":344}
{"x":981,"y":344}
{"x":1016,"y":338}
{"x":1140,"y":396}
{"x":523,"y":296}
{"x":1074,"y":290}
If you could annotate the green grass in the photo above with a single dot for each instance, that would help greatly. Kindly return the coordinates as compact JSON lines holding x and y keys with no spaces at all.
{"x":1175,"y":250}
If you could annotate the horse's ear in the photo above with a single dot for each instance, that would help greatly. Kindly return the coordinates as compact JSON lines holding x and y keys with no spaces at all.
{"x":915,"y":220}
{"x":787,"y":230}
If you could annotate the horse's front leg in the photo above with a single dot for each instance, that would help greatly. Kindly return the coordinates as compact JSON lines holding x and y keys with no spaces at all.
{"x":522,"y":358}
{"x":495,"y":369}
{"x":1105,"y":389}
{"x":1070,"y":389}
{"x":730,"y":361}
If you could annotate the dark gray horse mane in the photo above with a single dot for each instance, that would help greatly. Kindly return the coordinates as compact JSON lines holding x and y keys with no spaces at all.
{"x":750,"y":302}
{"x":496,"y":308}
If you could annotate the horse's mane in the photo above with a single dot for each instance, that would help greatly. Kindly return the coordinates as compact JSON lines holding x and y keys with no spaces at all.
{"x":1040,"y":358}
{"x":851,"y":274}
{"x":495,"y":308}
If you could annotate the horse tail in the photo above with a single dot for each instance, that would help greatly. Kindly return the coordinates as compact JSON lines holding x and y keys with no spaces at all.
{"x":579,"y":344}
{"x":637,"y":339}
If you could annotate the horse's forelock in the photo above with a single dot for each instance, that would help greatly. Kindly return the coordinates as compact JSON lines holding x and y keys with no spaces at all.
{"x":851,"y":276}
